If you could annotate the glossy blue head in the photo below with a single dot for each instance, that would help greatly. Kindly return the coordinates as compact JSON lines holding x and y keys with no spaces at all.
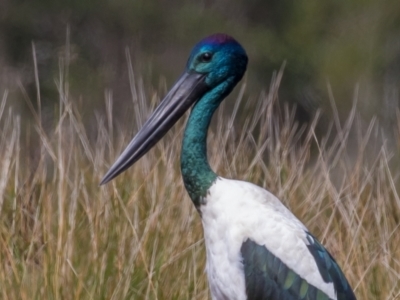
{"x":220,"y":57}
{"x":214,"y":67}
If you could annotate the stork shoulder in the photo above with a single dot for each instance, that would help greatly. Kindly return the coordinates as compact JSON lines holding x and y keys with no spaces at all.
{"x":237,"y":211}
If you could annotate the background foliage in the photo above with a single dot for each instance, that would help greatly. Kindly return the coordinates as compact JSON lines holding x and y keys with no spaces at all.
{"x":340,"y":43}
{"x":77,"y":79}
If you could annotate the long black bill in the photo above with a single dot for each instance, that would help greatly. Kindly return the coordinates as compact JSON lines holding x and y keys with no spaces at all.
{"x":186,"y":91}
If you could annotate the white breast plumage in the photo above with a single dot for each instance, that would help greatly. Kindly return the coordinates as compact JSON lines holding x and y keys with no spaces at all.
{"x":235,"y":211}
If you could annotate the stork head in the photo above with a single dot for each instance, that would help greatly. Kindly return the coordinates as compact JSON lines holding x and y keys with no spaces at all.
{"x":219,"y":57}
{"x":215,"y":64}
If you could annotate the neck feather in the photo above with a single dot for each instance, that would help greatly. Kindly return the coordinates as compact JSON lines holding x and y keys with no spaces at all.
{"x":196,"y":171}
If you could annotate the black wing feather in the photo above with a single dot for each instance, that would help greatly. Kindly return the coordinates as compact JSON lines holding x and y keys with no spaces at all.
{"x":329,"y":269}
{"x":268,"y":278}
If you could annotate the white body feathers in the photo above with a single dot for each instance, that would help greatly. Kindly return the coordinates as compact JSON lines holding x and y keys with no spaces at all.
{"x":235,"y":211}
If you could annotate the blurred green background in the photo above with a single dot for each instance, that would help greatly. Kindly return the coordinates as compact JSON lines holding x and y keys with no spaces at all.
{"x":332,"y":44}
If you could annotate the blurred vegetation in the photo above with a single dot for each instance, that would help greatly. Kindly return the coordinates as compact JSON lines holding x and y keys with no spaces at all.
{"x":333,"y":43}
{"x":63,"y":237}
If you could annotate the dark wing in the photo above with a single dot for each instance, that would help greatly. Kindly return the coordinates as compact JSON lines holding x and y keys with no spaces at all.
{"x":329,"y":269}
{"x":268,"y":278}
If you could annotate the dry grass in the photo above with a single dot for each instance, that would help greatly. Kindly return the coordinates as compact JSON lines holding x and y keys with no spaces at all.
{"x":139,"y":237}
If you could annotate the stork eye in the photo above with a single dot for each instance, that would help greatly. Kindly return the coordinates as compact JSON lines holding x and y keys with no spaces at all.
{"x":206,"y":57}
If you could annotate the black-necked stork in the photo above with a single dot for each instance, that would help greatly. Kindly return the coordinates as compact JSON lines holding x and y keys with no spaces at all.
{"x":256,"y":248}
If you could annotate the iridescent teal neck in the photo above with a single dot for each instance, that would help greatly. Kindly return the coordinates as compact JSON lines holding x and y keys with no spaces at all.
{"x":196,"y":171}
